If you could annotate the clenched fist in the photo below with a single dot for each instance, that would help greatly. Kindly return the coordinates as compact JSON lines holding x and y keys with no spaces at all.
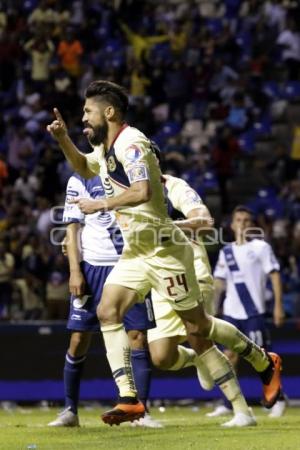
{"x":57,"y":128}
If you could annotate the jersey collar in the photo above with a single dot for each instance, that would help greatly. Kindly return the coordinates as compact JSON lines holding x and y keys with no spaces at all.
{"x":125,"y":125}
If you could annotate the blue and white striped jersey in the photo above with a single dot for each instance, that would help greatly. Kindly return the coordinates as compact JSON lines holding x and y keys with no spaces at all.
{"x":245,"y":269}
{"x":101,"y":241}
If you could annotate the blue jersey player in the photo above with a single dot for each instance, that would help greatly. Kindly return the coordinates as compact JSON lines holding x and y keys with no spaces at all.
{"x":94,"y":244}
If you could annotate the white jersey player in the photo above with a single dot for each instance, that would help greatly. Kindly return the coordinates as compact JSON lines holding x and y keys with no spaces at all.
{"x":94,"y":244}
{"x":242,"y":271}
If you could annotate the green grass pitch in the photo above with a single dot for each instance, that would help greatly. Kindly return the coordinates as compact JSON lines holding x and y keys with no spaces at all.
{"x":25,"y":429}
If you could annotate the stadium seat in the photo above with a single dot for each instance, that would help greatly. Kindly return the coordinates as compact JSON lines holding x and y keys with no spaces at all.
{"x":247,"y":141}
{"x":291,"y":91}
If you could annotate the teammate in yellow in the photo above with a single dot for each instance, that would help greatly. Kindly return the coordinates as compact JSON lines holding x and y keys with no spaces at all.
{"x":185,"y":205}
{"x":156,"y":254}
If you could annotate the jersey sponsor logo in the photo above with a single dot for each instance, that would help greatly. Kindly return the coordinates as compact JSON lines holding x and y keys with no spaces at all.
{"x":133,"y":153}
{"x":111,"y":164}
{"x":138,"y":173}
{"x":109,"y":190}
{"x":104,"y":218}
{"x":75,"y":317}
{"x":79,"y":302}
{"x":72,"y":193}
{"x":97,"y":189}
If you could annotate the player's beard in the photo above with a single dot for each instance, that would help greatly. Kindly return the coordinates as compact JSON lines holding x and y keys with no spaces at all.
{"x":97,"y":134}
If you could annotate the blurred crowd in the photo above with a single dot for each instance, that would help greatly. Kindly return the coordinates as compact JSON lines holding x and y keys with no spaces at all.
{"x":214,"y":83}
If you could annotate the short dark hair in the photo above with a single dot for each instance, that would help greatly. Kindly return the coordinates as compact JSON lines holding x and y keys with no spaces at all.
{"x":243,"y":209}
{"x":109,"y":92}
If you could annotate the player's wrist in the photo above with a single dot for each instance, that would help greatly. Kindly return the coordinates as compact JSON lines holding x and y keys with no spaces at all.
{"x":75,"y":270}
{"x":63,"y":138}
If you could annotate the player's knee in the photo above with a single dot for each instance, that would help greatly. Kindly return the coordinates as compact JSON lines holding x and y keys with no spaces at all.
{"x":161,"y":360}
{"x":108,"y":314}
{"x":79,"y":344}
{"x":137,"y":339}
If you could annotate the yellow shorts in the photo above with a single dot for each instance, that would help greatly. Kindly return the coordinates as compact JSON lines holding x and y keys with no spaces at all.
{"x":168,"y":323}
{"x":170,"y":272}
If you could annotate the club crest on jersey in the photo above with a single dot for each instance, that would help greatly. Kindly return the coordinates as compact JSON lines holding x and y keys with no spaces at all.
{"x":133,"y":153}
{"x":251,"y":255}
{"x":111,"y":164}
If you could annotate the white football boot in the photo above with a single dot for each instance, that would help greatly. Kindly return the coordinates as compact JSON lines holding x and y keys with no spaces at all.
{"x":241,"y":420}
{"x":147,"y":421}
{"x":220,"y":410}
{"x":278,"y":409}
{"x":65,"y":419}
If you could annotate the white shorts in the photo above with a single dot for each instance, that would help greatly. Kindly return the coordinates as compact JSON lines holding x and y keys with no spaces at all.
{"x":168,"y":323}
{"x":170,"y":272}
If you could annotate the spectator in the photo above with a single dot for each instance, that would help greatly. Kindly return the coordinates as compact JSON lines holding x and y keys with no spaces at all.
{"x":289,"y":42}
{"x":70,"y":51}
{"x":6,"y":275}
{"x":141,"y":43}
{"x":20,"y":149}
{"x":42,"y":16}
{"x":41,"y":51}
{"x":224,"y":153}
{"x":26,"y":186}
{"x":57,"y":294}
{"x":3,"y":172}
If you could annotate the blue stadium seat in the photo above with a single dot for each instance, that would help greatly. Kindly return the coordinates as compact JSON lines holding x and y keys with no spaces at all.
{"x":262,"y":127}
{"x":267,"y":203}
{"x":247,"y":141}
{"x":214,"y":25}
{"x":291,"y":90}
{"x":272,"y":89}
{"x":210,"y":180}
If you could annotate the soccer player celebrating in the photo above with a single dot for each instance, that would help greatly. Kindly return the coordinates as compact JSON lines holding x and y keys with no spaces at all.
{"x":185,"y":205}
{"x":242,"y":270}
{"x":156,"y":254}
{"x":94,"y":244}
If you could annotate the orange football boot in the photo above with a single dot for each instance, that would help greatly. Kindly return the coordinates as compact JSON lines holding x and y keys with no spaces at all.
{"x":272,"y":389}
{"x":124,"y":412}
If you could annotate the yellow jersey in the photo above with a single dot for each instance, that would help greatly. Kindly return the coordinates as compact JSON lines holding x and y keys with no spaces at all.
{"x":147,"y":228}
{"x":184,"y":199}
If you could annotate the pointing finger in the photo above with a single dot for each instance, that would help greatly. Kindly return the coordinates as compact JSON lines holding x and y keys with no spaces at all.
{"x":74,"y":200}
{"x":58,"y":115}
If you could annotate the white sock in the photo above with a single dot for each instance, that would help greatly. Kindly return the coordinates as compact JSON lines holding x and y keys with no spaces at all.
{"x":221,"y":370}
{"x":228,"y":335}
{"x":185,"y":358}
{"x":119,"y":358}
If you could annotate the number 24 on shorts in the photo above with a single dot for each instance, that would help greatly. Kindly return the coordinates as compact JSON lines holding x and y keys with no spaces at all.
{"x":176,"y":282}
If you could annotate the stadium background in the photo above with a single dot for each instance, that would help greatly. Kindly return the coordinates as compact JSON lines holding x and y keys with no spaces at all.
{"x":212,"y":83}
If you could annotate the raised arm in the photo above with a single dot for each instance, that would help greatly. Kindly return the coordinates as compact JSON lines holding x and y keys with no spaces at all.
{"x":76,"y":159}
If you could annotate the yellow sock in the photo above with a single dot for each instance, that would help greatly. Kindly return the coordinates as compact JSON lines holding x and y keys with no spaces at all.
{"x":228,"y":335}
{"x":222,"y":372}
{"x":119,"y":358}
{"x":185,"y":358}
